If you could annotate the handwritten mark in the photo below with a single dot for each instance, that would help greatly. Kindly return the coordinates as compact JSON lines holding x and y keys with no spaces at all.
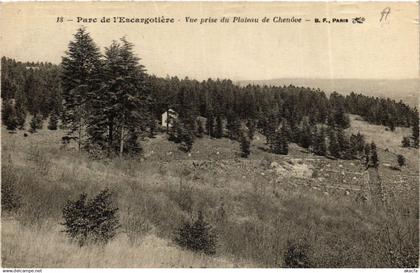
{"x":384,"y":14}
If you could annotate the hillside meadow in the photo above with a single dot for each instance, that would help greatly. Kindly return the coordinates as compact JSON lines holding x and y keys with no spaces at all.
{"x":258,"y":207}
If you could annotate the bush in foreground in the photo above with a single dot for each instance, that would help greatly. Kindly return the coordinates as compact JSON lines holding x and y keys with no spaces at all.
{"x":92,"y":220}
{"x":197,"y":237}
{"x":296,"y":255}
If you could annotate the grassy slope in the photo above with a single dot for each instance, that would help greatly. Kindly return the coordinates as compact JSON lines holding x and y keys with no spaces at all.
{"x":264,"y":208}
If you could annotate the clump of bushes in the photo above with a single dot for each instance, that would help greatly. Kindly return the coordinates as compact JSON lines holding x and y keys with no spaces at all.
{"x":197,"y":237}
{"x":91,"y":221}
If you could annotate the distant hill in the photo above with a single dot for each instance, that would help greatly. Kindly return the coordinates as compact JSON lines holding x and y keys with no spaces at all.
{"x":406,"y":90}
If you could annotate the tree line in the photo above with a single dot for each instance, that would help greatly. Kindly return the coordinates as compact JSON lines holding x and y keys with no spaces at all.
{"x":107,"y":102}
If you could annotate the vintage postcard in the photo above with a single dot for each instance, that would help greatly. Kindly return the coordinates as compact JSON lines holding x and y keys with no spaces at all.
{"x":209,"y":135}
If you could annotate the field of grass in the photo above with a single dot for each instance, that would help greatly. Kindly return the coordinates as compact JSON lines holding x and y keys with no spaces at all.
{"x":255,"y":205}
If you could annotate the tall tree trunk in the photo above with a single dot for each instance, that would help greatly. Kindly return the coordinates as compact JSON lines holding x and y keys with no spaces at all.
{"x":122,"y":141}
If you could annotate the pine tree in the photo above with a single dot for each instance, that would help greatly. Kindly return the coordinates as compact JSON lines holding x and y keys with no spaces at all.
{"x":53,"y":121}
{"x":406,"y":142}
{"x":197,"y":237}
{"x":20,"y":116}
{"x":152,"y":127}
{"x":279,"y":143}
{"x":121,"y":107}
{"x":174,"y":131}
{"x":187,"y":139}
{"x":319,"y":145}
{"x":233,"y":126}
{"x":9,"y":115}
{"x":219,"y":127}
{"x":245,"y":145}
{"x":401,"y":160}
{"x":374,"y":155}
{"x":357,"y":144}
{"x":94,"y":220}
{"x":333,"y":147}
{"x":20,"y":102}
{"x":305,"y":138}
{"x":415,"y":130}
{"x":210,"y":125}
{"x":269,"y":127}
{"x":81,"y":77}
{"x":251,"y":128}
{"x":181,"y":133}
{"x":284,"y":141}
{"x":36,"y":123}
{"x":200,"y":129}
{"x":344,"y":144}
{"x":340,"y":118}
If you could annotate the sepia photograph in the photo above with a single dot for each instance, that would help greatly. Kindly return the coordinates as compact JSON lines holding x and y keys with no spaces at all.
{"x":209,"y":135}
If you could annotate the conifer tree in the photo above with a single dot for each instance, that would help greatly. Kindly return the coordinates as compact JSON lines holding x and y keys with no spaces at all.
{"x":340,"y":118}
{"x":284,"y":141}
{"x":269,"y":127}
{"x":9,"y":115}
{"x":81,"y":77}
{"x":200,"y":129}
{"x":53,"y":121}
{"x":415,"y":130}
{"x":233,"y":126}
{"x":279,"y":143}
{"x":197,"y":237}
{"x":401,"y":160}
{"x":187,"y":139}
{"x":251,"y":128}
{"x":121,"y":108}
{"x":210,"y":125}
{"x":305,"y":138}
{"x":319,"y":145}
{"x":245,"y":145}
{"x":152,"y":127}
{"x":20,"y":102}
{"x":219,"y":127}
{"x":36,"y":123}
{"x":333,"y":147}
{"x":406,"y":142}
{"x":344,"y":144}
{"x":357,"y":144}
{"x":20,"y":116}
{"x":374,"y":155}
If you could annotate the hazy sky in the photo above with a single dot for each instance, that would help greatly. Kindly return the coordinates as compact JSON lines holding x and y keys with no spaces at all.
{"x":240,"y":51}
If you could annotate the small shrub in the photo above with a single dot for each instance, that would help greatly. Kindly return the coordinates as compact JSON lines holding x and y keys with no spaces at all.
{"x":296,"y":255}
{"x":197,"y":237}
{"x":35,"y":124}
{"x":245,"y":146}
{"x":91,"y":221}
{"x":406,"y":142}
{"x":53,"y":121}
{"x":401,"y":160}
